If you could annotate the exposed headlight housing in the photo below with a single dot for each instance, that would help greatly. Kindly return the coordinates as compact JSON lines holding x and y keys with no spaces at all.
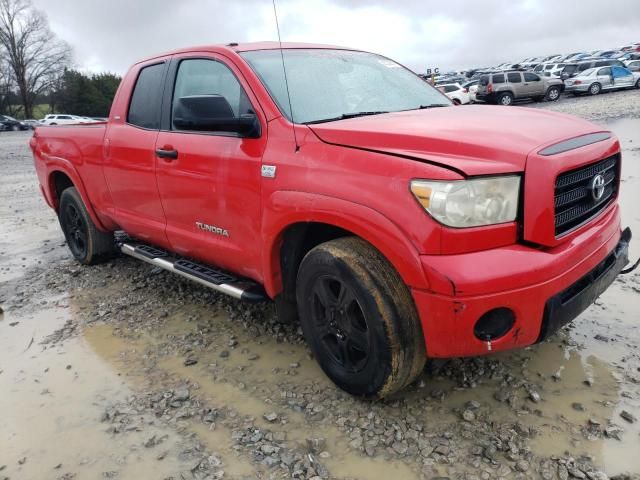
{"x":470,"y":203}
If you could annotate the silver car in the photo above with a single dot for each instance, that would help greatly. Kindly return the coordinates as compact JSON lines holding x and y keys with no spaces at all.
{"x":599,"y":79}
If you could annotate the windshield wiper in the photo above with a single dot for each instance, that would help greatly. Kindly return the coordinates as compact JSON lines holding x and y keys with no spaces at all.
{"x":344,"y":116}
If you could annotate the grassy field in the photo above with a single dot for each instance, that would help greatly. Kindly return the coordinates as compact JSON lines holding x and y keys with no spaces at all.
{"x":39,"y":111}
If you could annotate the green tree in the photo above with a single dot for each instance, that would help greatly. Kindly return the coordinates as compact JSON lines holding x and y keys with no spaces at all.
{"x":81,"y":94}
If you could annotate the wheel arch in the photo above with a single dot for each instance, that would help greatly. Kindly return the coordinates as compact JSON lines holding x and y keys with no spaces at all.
{"x":311,"y":219}
{"x":62,"y":176}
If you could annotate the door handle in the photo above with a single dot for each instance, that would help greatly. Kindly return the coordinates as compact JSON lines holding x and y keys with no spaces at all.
{"x":168,"y":155}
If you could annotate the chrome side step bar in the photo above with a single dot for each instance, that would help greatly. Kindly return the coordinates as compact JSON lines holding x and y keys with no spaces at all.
{"x":217,"y":280}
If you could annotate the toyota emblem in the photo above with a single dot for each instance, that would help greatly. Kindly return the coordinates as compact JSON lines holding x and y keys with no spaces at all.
{"x":597,"y":187}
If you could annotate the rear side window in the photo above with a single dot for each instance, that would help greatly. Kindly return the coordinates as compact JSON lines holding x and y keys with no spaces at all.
{"x":450,"y":88}
{"x":514,"y":77}
{"x":498,"y":78}
{"x":144,"y":109}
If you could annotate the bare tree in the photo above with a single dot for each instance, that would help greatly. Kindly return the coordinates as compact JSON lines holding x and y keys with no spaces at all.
{"x":34,"y":54}
{"x":6,"y":84}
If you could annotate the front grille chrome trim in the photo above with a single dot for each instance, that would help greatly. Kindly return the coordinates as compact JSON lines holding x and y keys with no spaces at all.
{"x":574,"y":205}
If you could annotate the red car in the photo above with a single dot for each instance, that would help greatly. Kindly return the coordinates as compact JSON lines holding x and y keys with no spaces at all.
{"x":394,"y":225}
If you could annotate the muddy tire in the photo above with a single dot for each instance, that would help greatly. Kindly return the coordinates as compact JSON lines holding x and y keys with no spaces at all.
{"x":505,"y":99}
{"x":359,"y":318}
{"x":88,"y":245}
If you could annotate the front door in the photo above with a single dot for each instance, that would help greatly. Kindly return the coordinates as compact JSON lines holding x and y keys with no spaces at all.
{"x":210,"y":181}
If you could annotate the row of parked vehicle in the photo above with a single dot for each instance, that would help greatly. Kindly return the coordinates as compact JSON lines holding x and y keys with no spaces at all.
{"x":10,"y":123}
{"x":545,"y":78}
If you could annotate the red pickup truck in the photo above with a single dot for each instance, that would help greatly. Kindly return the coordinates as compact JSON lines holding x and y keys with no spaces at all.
{"x":394,"y":225}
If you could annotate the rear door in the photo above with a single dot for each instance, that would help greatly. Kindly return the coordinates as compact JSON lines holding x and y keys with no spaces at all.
{"x":515,"y":81}
{"x":603,"y":76}
{"x":129,"y":158}
{"x":211,"y":190}
{"x":534,"y":84}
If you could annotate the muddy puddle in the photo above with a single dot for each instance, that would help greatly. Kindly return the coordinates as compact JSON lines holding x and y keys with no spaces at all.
{"x":124,"y":339}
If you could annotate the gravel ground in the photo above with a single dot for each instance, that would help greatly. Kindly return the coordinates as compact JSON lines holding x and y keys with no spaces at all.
{"x":124,"y":371}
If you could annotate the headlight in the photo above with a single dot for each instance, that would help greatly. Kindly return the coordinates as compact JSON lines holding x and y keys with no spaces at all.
{"x":470,"y":203}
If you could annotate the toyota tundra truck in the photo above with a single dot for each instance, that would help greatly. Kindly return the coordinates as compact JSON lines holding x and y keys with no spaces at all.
{"x":393,"y":225}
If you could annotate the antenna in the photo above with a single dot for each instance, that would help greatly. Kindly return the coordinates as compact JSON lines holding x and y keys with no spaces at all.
{"x":286,"y":83}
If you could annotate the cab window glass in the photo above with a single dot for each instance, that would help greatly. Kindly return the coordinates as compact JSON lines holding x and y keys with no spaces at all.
{"x":514,"y":77}
{"x":202,"y":77}
{"x":144,"y":108}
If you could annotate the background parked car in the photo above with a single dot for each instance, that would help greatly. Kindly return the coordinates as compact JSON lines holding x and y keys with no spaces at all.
{"x":62,"y":119}
{"x":599,"y":79}
{"x":456,"y":92}
{"x":505,"y":88}
{"x":633,"y":65}
{"x":11,"y":123}
{"x":472,"y":87}
{"x":31,"y":123}
{"x":573,"y":69}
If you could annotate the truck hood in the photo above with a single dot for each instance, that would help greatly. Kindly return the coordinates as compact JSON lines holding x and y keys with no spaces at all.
{"x":472,"y":140}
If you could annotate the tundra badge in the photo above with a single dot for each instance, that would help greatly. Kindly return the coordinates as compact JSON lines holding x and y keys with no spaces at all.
{"x":212,"y":229}
{"x":269,"y":171}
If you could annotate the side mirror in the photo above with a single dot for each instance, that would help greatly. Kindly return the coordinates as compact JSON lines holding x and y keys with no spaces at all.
{"x":212,"y":113}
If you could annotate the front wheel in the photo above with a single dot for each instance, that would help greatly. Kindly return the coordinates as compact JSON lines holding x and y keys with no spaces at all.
{"x":456,"y":101}
{"x":595,"y":88}
{"x":15,"y":128}
{"x":359,"y":318}
{"x":88,"y":245}
{"x":553,"y":94}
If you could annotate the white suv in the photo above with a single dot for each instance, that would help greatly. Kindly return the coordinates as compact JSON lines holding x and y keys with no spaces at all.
{"x":62,"y":119}
{"x":456,"y":92}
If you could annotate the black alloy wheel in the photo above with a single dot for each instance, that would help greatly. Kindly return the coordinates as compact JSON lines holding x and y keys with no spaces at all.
{"x":341,"y":323}
{"x":75,"y":229}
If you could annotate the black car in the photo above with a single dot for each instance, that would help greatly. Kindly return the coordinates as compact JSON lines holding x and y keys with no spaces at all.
{"x":575,"y":68}
{"x":10,"y":123}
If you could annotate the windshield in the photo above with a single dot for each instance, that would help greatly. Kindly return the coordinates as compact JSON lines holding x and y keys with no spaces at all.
{"x":332,"y":84}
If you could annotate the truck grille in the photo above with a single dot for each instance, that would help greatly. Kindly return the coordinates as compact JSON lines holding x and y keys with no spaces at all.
{"x":577,"y":200}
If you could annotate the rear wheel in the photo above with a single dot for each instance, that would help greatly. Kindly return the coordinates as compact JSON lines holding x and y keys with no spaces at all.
{"x":553,"y":94}
{"x":505,"y":99}
{"x":359,"y":318}
{"x":88,"y":245}
{"x":595,"y":89}
{"x":456,"y":101}
{"x":638,"y":83}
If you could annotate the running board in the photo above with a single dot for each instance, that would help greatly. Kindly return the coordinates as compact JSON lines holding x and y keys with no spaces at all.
{"x":217,"y":280}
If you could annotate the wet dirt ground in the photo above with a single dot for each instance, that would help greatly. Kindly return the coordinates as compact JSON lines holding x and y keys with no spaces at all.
{"x":124,"y":371}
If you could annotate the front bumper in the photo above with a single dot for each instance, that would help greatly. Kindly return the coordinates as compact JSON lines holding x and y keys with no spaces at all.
{"x":544,"y":288}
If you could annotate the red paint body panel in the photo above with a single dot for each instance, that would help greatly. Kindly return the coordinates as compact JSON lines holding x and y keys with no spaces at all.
{"x":510,"y":282}
{"x":353,"y":174}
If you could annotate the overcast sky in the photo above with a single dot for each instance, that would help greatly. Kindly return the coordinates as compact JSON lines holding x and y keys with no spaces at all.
{"x":109,"y":35}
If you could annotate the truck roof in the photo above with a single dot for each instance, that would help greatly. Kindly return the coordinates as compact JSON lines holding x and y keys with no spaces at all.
{"x":235,"y":48}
